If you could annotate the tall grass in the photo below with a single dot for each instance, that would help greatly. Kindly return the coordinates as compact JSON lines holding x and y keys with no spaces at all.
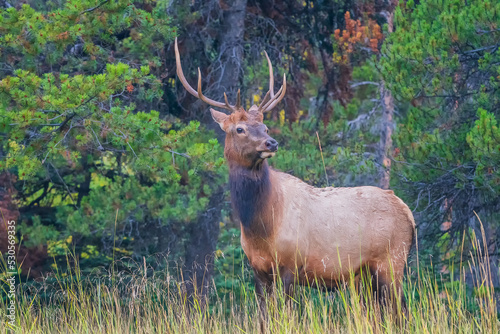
{"x":153,"y":302}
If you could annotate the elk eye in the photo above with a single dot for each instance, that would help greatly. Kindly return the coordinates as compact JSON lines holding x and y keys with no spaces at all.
{"x":240,"y":130}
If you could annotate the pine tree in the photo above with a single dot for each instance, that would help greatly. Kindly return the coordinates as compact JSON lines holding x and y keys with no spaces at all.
{"x":442,"y":63}
{"x":98,"y":166}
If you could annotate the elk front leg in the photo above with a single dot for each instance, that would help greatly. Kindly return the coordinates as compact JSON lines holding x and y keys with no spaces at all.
{"x":263,"y":289}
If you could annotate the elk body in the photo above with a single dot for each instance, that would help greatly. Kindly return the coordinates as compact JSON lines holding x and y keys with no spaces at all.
{"x":306,"y":235}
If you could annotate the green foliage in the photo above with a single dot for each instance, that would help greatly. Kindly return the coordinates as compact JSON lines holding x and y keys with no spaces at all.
{"x":300,"y":152}
{"x":437,"y":38}
{"x":234,"y":276}
{"x":484,"y":141}
{"x":442,"y":63}
{"x":78,"y":125}
{"x":39,"y":113}
{"x":152,"y":197}
{"x":86,"y":26}
{"x":345,"y":140}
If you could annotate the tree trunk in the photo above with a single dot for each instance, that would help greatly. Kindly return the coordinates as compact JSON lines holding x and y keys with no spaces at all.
{"x":8,"y":209}
{"x":5,"y":4}
{"x":385,"y":144}
{"x":200,"y":250}
{"x":387,"y":123}
{"x":230,"y":39}
{"x":33,"y":258}
{"x":203,"y":234}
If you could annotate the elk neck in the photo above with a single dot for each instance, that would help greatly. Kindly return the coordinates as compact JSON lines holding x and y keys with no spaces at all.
{"x":254,"y":198}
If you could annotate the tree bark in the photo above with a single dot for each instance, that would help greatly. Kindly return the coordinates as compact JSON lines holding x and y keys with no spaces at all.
{"x":227,"y":78}
{"x":8,"y":209}
{"x":5,"y":4}
{"x":385,"y":144}
{"x":230,"y":39}
{"x":200,"y":250}
{"x":32,"y":259}
{"x":387,"y":123}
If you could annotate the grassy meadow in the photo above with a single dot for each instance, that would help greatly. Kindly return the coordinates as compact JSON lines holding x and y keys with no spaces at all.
{"x":145,"y":301}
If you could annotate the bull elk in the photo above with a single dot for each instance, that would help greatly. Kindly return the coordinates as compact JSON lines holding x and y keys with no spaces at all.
{"x":301,"y":233}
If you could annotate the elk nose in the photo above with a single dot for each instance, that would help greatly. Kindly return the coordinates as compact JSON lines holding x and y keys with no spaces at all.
{"x":272,"y":145}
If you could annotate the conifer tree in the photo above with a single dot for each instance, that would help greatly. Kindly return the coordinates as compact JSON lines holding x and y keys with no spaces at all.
{"x":442,"y":64}
{"x":99,"y":167}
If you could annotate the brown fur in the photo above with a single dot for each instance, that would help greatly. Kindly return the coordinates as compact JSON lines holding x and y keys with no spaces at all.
{"x":308,"y":234}
{"x":299,"y":232}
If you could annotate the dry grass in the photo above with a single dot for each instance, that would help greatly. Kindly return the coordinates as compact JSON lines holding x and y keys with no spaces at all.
{"x":140,"y":304}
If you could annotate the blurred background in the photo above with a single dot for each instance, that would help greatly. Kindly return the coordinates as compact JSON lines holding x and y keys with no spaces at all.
{"x":107,"y":161}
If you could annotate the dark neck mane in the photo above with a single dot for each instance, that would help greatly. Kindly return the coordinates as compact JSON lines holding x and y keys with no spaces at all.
{"x":250,"y":192}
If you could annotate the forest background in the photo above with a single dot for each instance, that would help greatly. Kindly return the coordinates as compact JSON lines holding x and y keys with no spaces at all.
{"x":104,"y":155}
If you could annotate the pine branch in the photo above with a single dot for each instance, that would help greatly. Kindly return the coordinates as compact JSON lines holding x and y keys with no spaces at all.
{"x":94,"y":8}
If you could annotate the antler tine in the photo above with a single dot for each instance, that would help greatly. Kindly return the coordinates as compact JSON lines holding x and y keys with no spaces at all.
{"x":180,"y":74}
{"x":238,"y":100}
{"x":271,"y":76}
{"x":191,"y":90}
{"x":210,"y":101}
{"x":266,"y":104}
{"x":227,"y":103}
{"x":281,"y":94}
{"x":269,"y":101}
{"x":264,"y":101}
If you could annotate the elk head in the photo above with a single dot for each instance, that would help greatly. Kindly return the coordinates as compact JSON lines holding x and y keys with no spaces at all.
{"x":248,"y":143}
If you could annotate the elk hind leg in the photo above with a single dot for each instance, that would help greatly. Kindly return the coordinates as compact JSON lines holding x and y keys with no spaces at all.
{"x":387,"y":288}
{"x":363,"y":283}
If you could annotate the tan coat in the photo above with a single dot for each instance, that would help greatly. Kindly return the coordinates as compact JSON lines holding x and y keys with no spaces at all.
{"x":292,"y":227}
{"x":325,"y":232}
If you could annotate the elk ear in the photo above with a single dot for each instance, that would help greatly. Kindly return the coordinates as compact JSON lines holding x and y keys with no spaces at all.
{"x":219,"y":117}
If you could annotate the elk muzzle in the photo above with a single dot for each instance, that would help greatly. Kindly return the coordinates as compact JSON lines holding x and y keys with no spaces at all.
{"x":272,"y":145}
{"x":268,"y":148}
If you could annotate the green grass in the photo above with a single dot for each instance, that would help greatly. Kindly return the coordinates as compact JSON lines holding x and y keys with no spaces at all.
{"x":145,"y":301}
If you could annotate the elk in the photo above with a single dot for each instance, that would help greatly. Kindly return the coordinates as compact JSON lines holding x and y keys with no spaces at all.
{"x":306,"y":235}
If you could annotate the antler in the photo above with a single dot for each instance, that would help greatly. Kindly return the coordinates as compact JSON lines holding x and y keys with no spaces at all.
{"x":271,"y":100}
{"x":198,"y":93}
